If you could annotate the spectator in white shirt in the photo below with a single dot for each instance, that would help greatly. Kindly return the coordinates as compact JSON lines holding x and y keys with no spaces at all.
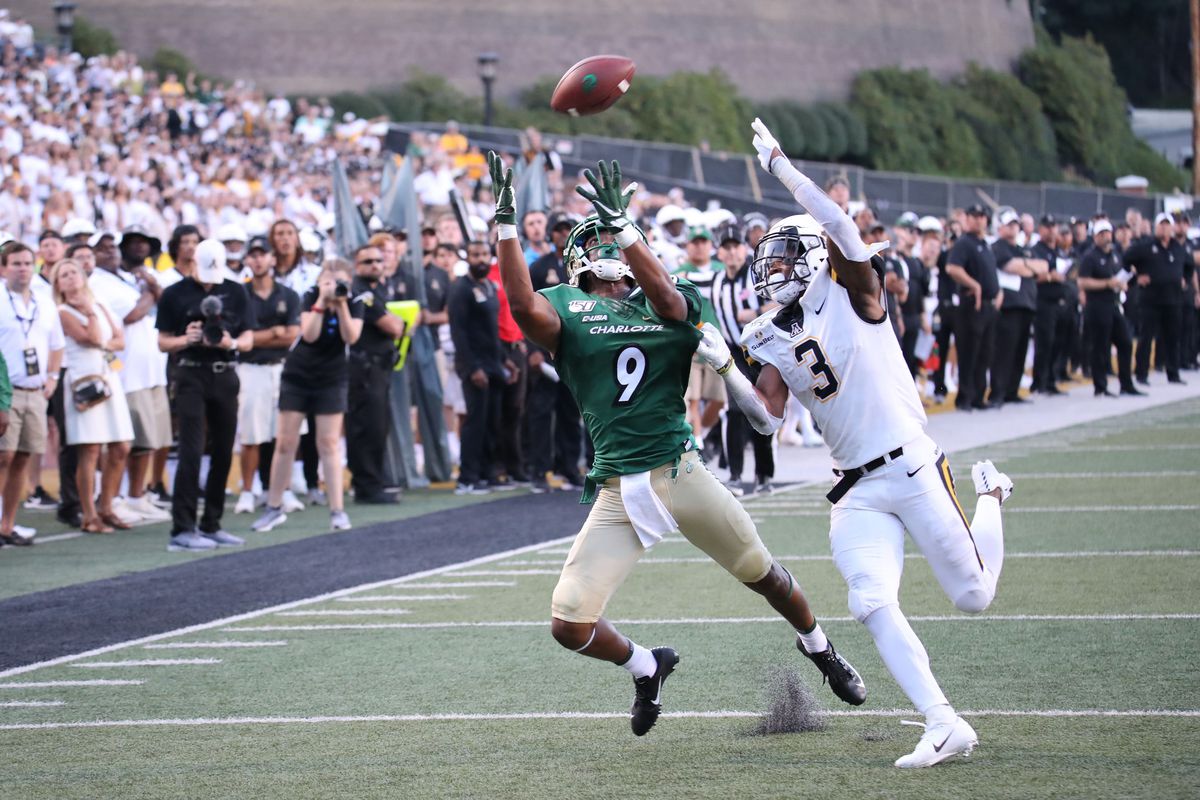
{"x":31,"y":340}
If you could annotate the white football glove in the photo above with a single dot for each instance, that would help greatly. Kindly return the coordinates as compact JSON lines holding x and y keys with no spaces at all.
{"x":713,"y":350}
{"x":764,"y":143}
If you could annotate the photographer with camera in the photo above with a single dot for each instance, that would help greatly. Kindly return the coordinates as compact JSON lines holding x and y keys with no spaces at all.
{"x":203,"y":323}
{"x":314,"y":382}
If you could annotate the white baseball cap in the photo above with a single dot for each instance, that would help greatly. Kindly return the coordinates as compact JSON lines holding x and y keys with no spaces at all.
{"x":77,"y":226}
{"x":1100,"y":226}
{"x":210,"y":261}
{"x":1008,"y":216}
{"x":929,"y":224}
{"x":1164,"y":217}
{"x":231,"y":232}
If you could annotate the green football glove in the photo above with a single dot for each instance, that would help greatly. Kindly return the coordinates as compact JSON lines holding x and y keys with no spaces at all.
{"x":606,"y":195}
{"x":502,"y":188}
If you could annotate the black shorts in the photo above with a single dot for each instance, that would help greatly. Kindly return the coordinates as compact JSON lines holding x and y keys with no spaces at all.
{"x":311,"y":397}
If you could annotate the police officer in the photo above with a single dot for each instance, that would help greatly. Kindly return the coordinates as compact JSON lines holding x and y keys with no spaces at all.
{"x":1159,"y":264}
{"x":1020,"y":273}
{"x":1102,"y":277}
{"x":972,"y":265}
{"x":371,"y":361}
{"x":1051,"y":307}
{"x":202,"y":323}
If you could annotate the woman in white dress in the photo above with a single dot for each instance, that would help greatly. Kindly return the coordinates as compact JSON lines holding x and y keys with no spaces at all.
{"x":93,"y":335}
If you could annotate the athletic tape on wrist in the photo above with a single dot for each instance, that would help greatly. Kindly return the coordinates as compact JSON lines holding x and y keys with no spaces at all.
{"x":506,"y":231}
{"x":627,"y":236}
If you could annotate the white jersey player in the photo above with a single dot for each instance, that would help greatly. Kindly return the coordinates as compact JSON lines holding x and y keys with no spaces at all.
{"x":830,"y":345}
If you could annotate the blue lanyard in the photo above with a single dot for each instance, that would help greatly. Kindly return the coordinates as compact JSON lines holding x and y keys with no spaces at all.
{"x":26,"y":324}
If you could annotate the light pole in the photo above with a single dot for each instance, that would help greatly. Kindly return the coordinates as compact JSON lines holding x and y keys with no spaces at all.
{"x":64,"y":18}
{"x":487,"y":74}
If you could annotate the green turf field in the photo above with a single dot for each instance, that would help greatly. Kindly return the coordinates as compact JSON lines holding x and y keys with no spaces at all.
{"x":1082,"y":679}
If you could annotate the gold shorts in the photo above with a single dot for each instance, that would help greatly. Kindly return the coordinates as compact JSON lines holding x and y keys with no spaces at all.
{"x":607,"y":547}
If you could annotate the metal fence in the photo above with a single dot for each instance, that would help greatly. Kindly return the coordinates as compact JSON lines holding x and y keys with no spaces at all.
{"x":736,"y":182}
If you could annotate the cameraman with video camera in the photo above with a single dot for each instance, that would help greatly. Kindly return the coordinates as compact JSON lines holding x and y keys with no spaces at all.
{"x":202,"y":323}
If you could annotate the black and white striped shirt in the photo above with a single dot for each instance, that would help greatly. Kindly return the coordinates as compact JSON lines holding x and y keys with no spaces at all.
{"x":731,"y":296}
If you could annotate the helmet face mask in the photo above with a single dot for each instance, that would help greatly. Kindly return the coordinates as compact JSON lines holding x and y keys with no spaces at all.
{"x":786,"y":259}
{"x":591,"y":248}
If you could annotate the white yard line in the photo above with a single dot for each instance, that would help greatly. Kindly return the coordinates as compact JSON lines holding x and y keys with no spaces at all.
{"x":58,"y":537}
{"x":916,"y":556}
{"x":463,"y":584}
{"x":31,"y":703}
{"x":488,"y":572}
{"x":210,"y":645}
{"x":149,"y":662}
{"x":368,"y":626}
{"x":406,"y":598}
{"x":348,"y":612}
{"x":775,"y":512}
{"x":204,"y":626}
{"x":1166,"y":473}
{"x":574,"y":715}
{"x":54,"y":684}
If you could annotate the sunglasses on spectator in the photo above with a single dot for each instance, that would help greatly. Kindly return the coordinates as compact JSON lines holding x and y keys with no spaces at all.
{"x":371,"y":261}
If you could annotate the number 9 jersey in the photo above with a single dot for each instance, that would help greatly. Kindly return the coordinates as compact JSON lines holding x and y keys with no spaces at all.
{"x":628,"y":370}
{"x":847,"y":371}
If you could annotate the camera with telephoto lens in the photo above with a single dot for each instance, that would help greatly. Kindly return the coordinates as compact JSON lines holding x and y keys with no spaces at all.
{"x":342,"y":289}
{"x":212,"y":331}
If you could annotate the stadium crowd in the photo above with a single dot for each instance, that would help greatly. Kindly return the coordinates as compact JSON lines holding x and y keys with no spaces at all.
{"x":171,"y":269}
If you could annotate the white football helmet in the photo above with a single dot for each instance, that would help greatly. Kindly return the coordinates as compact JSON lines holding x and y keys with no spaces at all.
{"x":798,"y":243}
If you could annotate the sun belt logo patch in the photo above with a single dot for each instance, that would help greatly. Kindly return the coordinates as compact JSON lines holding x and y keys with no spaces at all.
{"x":581,"y":306}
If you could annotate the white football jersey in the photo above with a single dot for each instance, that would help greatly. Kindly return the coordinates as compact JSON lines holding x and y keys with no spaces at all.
{"x":849,"y":373}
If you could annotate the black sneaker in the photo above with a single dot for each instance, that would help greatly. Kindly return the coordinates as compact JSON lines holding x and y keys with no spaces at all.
{"x":40,"y":500}
{"x":647,"y":692}
{"x":845,"y":681}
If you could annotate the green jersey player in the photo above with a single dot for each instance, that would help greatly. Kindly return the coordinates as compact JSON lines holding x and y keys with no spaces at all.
{"x":623,"y":333}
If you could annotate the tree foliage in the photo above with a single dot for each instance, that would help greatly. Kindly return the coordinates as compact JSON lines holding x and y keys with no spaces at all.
{"x":92,"y":40}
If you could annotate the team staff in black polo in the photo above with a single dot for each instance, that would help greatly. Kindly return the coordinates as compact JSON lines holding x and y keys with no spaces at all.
{"x":203,"y":323}
{"x":552,"y":422}
{"x":1050,"y":313}
{"x":1159,"y":264}
{"x":372,"y":358}
{"x":972,"y":266}
{"x":479,"y":360}
{"x":274,"y":320}
{"x":1189,"y":346}
{"x":1101,"y":280}
{"x":1017,"y":312}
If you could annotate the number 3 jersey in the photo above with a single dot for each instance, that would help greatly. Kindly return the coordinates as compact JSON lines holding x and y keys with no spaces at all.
{"x":847,"y":371}
{"x":628,"y":370}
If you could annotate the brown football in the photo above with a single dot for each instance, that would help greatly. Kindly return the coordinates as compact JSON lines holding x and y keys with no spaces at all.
{"x":592,"y":85}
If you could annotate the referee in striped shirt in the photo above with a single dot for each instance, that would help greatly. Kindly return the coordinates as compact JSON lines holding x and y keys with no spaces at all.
{"x":736,"y":305}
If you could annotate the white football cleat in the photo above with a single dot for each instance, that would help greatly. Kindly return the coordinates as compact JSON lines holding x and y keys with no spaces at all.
{"x":988,"y":479}
{"x":245,"y":503}
{"x":939,"y":743}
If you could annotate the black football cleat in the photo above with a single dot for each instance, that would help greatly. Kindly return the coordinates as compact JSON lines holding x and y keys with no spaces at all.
{"x":844,"y":679}
{"x":647,"y":692}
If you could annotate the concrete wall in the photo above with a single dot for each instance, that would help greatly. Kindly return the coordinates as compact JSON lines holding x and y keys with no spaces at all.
{"x":802,"y":50}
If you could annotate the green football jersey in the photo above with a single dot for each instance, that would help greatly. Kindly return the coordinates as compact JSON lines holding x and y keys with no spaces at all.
{"x":628,"y":369}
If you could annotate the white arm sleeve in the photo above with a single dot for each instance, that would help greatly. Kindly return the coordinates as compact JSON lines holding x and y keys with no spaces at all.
{"x":837,"y":223}
{"x":742,"y":392}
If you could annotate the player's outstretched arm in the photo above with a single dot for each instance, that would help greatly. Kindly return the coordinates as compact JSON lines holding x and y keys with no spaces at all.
{"x":610,"y":203}
{"x":534,"y":314}
{"x":847,"y":253}
{"x":763,"y":404}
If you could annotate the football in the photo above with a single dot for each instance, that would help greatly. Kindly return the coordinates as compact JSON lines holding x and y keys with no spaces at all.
{"x":592,"y":85}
